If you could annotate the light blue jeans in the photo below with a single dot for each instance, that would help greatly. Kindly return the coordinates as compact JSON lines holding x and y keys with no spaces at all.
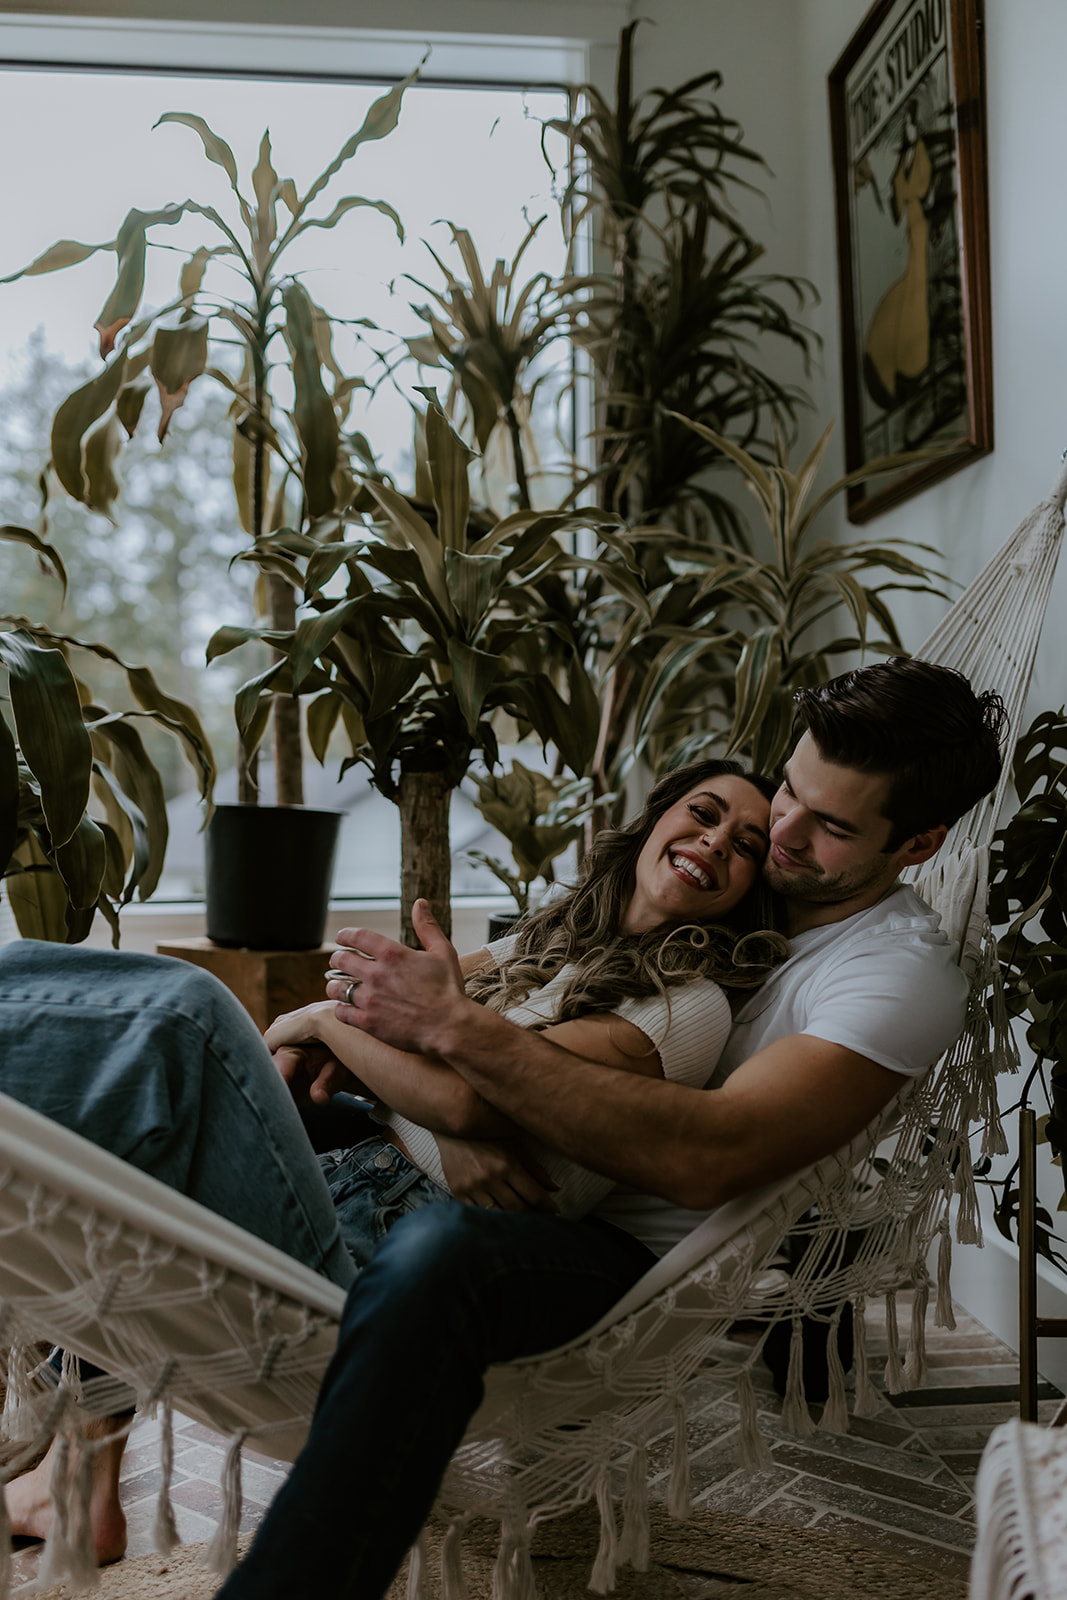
{"x":372,"y":1185}
{"x":155,"y":1061}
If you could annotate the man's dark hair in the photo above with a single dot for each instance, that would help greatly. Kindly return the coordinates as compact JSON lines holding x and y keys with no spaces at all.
{"x":921,"y":725}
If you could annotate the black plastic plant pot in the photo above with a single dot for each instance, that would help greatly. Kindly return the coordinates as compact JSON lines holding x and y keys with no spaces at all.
{"x":269,"y":870}
{"x":502,"y":923}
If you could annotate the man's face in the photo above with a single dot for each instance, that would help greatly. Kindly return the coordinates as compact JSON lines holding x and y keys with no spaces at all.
{"x":829,"y":832}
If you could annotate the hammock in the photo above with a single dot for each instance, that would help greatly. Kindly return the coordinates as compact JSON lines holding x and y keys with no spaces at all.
{"x":1021,"y":1494}
{"x":198,"y":1316}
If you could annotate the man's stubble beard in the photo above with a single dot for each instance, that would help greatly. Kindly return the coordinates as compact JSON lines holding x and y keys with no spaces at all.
{"x":816,"y":887}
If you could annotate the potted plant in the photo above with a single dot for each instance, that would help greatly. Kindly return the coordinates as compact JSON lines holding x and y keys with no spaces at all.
{"x":540,"y":816}
{"x":1028,"y":901}
{"x":440,"y":629}
{"x":758,"y":620}
{"x":676,"y":318}
{"x":291,"y":461}
{"x":491,"y":334}
{"x":83,"y":820}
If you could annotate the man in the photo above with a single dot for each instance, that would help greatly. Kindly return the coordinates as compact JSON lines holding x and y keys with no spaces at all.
{"x":890,"y":757}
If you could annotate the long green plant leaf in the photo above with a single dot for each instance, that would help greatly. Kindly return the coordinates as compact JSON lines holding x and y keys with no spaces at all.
{"x":37,"y":894}
{"x":47,"y":552}
{"x":139,"y":780}
{"x":131,"y":245}
{"x":474,"y":672}
{"x":82,"y":862}
{"x":380,"y":120}
{"x":51,"y":732}
{"x":9,"y":794}
{"x":313,"y":413}
{"x":73,"y":420}
{"x":448,"y":459}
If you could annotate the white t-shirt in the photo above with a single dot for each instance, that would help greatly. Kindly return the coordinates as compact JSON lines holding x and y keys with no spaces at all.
{"x":883,"y":983}
{"x":688,"y":1029}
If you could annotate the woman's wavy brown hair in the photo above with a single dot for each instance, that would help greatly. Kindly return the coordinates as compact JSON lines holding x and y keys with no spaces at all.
{"x":584,"y":927}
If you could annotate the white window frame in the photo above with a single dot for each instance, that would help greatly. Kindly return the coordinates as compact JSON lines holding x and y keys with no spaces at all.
{"x":260,"y":49}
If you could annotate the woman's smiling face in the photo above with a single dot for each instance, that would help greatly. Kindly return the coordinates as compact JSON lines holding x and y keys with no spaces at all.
{"x":702,"y":857}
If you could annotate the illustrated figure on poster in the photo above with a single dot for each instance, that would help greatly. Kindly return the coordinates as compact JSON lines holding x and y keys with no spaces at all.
{"x":897,"y":346}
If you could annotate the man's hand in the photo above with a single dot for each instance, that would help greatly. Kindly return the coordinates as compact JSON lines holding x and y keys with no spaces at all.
{"x":400,"y":996}
{"x":493,"y":1173}
{"x":312,"y":1073}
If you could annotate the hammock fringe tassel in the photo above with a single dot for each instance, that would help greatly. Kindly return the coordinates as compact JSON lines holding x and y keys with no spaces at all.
{"x":222,"y":1552}
{"x":894,"y":1371}
{"x":5,"y":1543}
{"x":453,"y":1579}
{"x":69,"y":1553}
{"x":754,"y":1452}
{"x":866,"y":1401}
{"x":634,"y":1538}
{"x":513,"y":1576}
{"x":165,"y":1531}
{"x":417,"y":1565}
{"x":834,"y":1418}
{"x":678,"y":1494}
{"x":915,"y":1365}
{"x":602,"y":1580}
{"x":795,"y":1414}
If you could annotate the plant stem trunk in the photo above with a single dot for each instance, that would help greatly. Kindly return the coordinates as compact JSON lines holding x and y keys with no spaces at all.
{"x":247,"y":777}
{"x":288,"y":750}
{"x":425,"y":854}
{"x":522,"y":483}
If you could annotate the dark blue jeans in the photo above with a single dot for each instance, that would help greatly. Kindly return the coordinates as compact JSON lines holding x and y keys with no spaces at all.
{"x":449,"y":1292}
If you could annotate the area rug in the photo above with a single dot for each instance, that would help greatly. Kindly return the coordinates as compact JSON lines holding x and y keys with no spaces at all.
{"x":714,"y":1554}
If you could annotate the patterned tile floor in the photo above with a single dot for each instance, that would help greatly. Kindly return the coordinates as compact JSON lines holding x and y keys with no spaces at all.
{"x":901,"y":1480}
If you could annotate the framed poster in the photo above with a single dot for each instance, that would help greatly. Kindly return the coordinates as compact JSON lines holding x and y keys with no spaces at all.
{"x":907,"y":120}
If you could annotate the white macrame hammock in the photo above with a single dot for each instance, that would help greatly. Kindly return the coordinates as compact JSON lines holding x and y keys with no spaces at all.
{"x":1020,"y":1550}
{"x":198,"y":1316}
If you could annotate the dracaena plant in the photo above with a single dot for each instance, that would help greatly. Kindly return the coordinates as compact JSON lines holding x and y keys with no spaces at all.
{"x":739,"y":631}
{"x":674,"y":314}
{"x":291,"y":458}
{"x":490,"y":334}
{"x":440,"y":629}
{"x":83,"y":819}
{"x":540,"y":815}
{"x":676,"y":317}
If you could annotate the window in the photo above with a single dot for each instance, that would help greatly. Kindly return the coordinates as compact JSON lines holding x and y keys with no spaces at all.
{"x":157,"y":585}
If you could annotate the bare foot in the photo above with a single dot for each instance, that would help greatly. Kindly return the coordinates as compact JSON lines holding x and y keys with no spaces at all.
{"x":29,"y":1500}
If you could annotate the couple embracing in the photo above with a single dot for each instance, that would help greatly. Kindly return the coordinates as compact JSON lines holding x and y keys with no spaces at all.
{"x":737,"y":987}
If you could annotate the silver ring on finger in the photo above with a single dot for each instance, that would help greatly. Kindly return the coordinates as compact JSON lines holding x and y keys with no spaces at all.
{"x":336,"y":975}
{"x":348,"y":992}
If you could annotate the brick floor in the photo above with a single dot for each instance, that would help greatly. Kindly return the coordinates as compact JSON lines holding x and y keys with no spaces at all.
{"x":899,"y":1481}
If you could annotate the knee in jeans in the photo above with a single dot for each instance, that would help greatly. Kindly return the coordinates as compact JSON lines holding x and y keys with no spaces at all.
{"x":434,"y":1240}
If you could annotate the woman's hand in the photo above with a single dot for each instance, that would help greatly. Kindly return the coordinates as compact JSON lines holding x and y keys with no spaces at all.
{"x":299,"y":1027}
{"x":307,"y":1065}
{"x":493,"y":1174}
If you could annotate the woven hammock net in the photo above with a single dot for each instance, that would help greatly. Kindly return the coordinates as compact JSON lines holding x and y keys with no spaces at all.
{"x":196,"y":1315}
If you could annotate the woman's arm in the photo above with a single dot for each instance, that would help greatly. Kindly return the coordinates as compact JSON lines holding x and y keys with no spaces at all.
{"x":418,"y":1087}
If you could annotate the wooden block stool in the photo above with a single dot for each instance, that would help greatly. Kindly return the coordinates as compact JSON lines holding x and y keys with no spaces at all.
{"x":267,"y":982}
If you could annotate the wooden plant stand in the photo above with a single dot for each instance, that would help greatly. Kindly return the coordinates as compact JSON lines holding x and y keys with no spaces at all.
{"x":267,"y":982}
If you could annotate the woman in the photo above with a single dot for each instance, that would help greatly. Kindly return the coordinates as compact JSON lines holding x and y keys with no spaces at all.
{"x":631,"y":968}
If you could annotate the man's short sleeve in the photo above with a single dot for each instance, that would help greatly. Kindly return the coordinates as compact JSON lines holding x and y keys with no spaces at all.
{"x":901,"y":1005}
